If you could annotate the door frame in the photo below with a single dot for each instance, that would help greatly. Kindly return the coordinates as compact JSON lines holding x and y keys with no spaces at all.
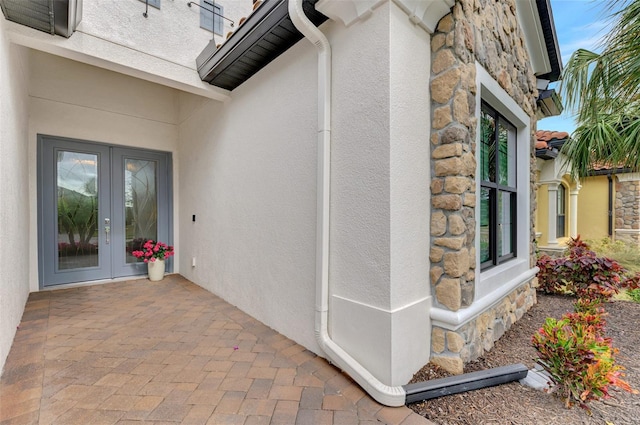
{"x":44,"y":200}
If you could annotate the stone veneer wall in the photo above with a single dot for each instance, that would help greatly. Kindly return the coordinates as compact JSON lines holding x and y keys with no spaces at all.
{"x":627,"y":208}
{"x":451,"y":349}
{"x":486,"y":31}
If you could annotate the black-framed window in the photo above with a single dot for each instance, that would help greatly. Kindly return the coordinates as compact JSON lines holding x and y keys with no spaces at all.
{"x":211,"y":16}
{"x":561,"y":211}
{"x":498,"y":188}
{"x":154,"y":3}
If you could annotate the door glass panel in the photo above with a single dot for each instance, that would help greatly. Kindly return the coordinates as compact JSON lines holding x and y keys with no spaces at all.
{"x":140,"y":205}
{"x":77,"y":199}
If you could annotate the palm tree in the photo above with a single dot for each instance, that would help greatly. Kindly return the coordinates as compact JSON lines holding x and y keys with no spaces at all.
{"x":604,"y":91}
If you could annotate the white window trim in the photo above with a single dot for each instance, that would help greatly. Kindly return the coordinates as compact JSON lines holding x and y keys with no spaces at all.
{"x":517,"y":270}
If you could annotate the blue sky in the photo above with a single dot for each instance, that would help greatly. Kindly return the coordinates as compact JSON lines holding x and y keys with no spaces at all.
{"x":579,"y":24}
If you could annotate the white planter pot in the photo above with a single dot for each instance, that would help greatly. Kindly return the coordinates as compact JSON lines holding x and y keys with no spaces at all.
{"x":156,"y":270}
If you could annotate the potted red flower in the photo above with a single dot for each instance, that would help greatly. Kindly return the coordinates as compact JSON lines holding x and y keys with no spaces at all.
{"x":154,"y":253}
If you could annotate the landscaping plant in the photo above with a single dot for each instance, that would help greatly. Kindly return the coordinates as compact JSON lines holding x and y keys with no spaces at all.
{"x":594,"y":321}
{"x":579,"y":358}
{"x":548,"y":281}
{"x":575,"y":350}
{"x":583,"y":273}
{"x":587,"y":306}
{"x":634,"y":294}
{"x":153,"y":250}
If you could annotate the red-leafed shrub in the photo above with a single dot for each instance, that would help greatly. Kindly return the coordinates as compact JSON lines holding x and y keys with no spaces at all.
{"x":585,"y":305}
{"x":548,"y":281}
{"x":579,"y":358}
{"x":575,"y":350}
{"x":583,"y":274}
{"x":594,"y":321}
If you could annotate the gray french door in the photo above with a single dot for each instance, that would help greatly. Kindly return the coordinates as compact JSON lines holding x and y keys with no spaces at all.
{"x":96,"y":204}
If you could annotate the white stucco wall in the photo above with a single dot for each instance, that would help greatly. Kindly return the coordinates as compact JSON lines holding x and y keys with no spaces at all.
{"x":410,"y":164}
{"x":360,"y":217}
{"x":172,"y":32}
{"x":75,"y":100}
{"x":161,"y":48}
{"x":249,"y":176}
{"x":14,"y":202}
{"x":380,"y":194}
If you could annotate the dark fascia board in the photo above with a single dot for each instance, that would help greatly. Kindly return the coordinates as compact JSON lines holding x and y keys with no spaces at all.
{"x":557,"y":143}
{"x":221,"y":66}
{"x":33,"y":15}
{"x":610,"y":171}
{"x":546,"y":154}
{"x":551,"y":40}
{"x":549,"y":103}
{"x":59,"y":17}
{"x":67,"y":15}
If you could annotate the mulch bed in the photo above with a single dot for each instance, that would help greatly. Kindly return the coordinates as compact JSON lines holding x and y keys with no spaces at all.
{"x":514,"y":403}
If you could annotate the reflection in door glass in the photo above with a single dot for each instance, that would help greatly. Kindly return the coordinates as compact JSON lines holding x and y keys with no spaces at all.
{"x":140,"y":205}
{"x":77,"y":187}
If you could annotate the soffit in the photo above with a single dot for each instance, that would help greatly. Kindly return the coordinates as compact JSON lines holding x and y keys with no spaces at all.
{"x":266,"y":34}
{"x":58,"y":17}
{"x":550,"y":40}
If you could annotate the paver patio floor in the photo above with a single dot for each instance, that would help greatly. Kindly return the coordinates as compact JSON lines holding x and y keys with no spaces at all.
{"x":169,"y":352}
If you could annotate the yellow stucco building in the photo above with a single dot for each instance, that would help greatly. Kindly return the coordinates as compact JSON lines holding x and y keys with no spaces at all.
{"x":605,"y":204}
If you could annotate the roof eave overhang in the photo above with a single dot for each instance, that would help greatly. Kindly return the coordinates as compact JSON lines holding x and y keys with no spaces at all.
{"x":549,"y":104}
{"x":536,"y":20}
{"x":266,"y":34}
{"x":546,"y":154}
{"x":60,"y":17}
{"x":609,"y":171}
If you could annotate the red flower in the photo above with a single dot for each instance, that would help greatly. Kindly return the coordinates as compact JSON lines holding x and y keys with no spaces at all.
{"x":153,"y":251}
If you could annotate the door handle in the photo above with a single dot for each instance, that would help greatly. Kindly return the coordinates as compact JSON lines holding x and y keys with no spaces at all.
{"x":107,"y":229}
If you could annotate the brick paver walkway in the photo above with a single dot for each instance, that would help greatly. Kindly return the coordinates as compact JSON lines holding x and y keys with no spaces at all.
{"x":168,"y":352}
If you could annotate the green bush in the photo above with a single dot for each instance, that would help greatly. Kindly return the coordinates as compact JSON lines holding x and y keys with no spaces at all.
{"x":634,"y":294}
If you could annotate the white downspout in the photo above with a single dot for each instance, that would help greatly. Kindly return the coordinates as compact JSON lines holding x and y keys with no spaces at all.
{"x":384,"y":394}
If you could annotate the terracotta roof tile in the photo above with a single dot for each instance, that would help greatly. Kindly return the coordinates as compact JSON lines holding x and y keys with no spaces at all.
{"x":600,"y":167}
{"x":543,"y":137}
{"x":546,"y":135}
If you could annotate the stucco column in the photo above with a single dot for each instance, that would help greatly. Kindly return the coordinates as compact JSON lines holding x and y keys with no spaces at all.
{"x":573,"y":211}
{"x":552,"y":213}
